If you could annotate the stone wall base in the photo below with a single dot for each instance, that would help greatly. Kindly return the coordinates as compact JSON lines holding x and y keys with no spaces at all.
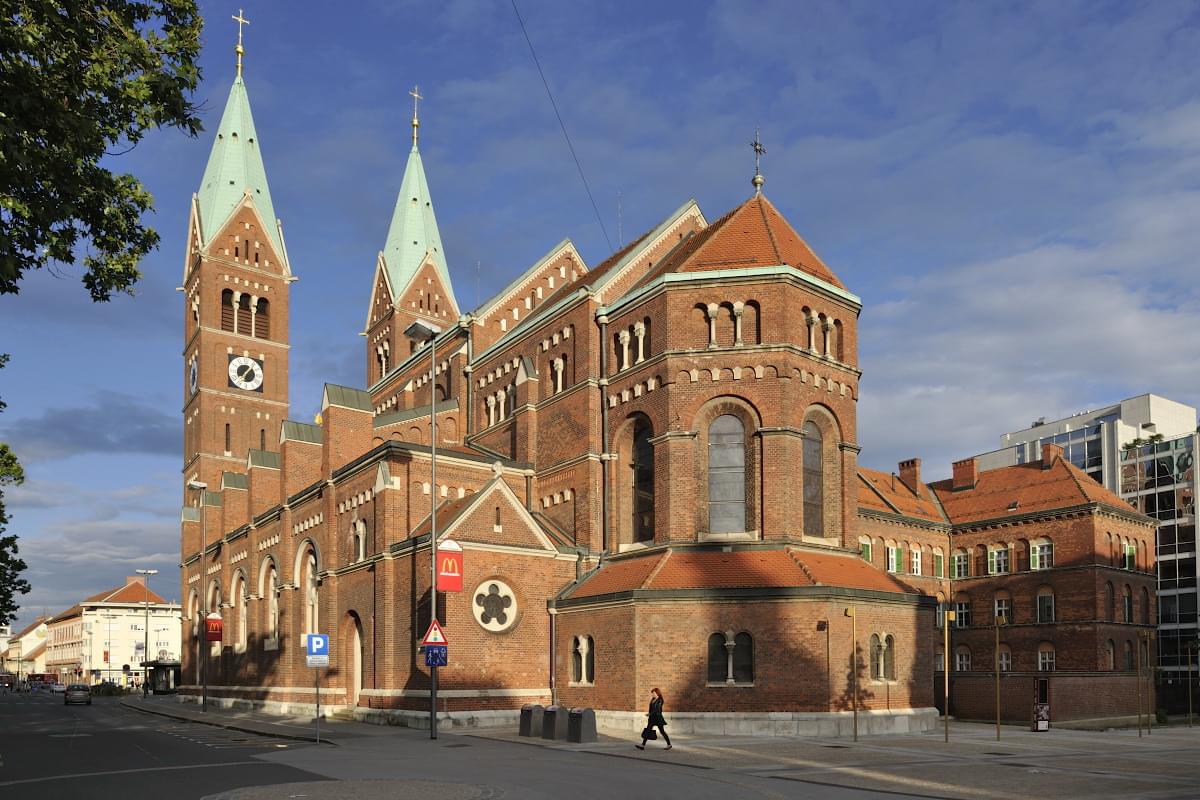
{"x":778,"y":723}
{"x":404,"y":718}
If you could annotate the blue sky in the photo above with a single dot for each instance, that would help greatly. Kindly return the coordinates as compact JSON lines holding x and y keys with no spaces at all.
{"x":1013,"y":189}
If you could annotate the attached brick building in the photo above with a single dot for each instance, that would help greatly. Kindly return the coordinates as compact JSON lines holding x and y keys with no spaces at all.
{"x":650,"y":464}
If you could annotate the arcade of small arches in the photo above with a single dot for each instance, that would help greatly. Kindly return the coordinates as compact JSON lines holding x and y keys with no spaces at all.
{"x":245,"y":314}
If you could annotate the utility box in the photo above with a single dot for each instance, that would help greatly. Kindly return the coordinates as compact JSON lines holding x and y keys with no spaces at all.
{"x":581,"y":725}
{"x":531,"y":719}
{"x":554,"y":723}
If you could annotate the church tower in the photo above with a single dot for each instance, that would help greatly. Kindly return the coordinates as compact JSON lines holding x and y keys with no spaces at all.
{"x":235,"y":282}
{"x":411,"y":279}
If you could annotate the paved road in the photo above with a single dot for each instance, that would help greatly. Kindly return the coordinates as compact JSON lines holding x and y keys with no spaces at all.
{"x":51,"y":751}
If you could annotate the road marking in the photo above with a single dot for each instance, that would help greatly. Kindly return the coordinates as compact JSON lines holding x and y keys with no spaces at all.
{"x":75,"y":775}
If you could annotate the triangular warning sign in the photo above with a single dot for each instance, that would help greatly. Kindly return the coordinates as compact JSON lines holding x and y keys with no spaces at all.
{"x":435,"y":635}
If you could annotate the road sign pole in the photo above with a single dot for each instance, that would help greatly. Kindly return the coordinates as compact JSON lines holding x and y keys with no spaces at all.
{"x":318,"y":680}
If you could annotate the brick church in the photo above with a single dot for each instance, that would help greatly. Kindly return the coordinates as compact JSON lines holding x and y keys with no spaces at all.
{"x":651,"y":466}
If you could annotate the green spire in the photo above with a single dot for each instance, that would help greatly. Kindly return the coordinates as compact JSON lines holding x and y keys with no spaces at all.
{"x":413,"y":234}
{"x":235,"y":168}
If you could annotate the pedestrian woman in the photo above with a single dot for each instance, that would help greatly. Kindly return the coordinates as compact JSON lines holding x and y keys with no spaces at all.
{"x":654,"y":719}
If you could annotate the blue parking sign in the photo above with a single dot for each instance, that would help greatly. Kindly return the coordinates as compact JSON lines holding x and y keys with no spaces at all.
{"x":316,"y":649}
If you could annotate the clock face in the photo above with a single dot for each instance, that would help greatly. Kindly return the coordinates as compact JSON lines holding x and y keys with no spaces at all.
{"x":246,"y":373}
{"x":193,"y":376}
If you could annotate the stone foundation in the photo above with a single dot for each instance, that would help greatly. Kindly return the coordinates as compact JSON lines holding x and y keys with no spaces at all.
{"x":778,"y":723}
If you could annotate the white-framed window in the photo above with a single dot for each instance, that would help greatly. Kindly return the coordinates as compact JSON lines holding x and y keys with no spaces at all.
{"x":1045,"y":606}
{"x":962,"y":661}
{"x":1003,"y":609}
{"x":939,"y":660}
{"x":864,"y":549}
{"x":1046,"y":659}
{"x":914,"y":561}
{"x":961,"y":565}
{"x":997,"y":560}
{"x":894,"y":559}
{"x":962,"y":613}
{"x":1005,"y":659}
{"x":1041,"y":555}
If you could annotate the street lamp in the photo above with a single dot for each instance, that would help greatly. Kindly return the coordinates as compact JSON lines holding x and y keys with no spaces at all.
{"x":421,"y":331}
{"x":947,"y":618}
{"x":854,"y":664}
{"x":146,"y":640}
{"x":202,"y":487}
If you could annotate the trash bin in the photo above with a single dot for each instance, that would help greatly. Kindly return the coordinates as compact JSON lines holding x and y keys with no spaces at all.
{"x":581,"y":725}
{"x":554,"y":723}
{"x":531,"y":719}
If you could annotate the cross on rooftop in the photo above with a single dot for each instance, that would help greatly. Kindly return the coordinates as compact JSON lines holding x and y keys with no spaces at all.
{"x":416,"y":123}
{"x":240,"y":20}
{"x":759,"y":151}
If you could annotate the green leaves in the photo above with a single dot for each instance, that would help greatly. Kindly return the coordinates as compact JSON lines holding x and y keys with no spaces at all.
{"x":79,"y":81}
{"x":11,"y":567}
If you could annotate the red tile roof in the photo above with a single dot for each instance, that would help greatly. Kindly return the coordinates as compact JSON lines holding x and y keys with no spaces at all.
{"x":129,"y":593}
{"x":754,"y":234}
{"x":881,"y":491}
{"x":740,"y":569}
{"x":847,"y":571}
{"x":1023,"y":489}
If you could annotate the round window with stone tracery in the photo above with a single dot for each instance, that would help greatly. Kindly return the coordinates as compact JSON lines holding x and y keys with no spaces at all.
{"x":495,"y":606}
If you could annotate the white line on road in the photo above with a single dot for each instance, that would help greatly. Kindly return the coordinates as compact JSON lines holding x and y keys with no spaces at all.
{"x":132,"y":771}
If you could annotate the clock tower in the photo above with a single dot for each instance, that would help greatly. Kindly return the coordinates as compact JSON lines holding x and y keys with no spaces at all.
{"x":235,"y":284}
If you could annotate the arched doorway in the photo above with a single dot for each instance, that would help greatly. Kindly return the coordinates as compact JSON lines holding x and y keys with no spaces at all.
{"x":357,"y":659}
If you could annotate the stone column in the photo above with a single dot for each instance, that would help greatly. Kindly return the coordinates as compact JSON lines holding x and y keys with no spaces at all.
{"x":713,"y":310}
{"x":811,"y":321}
{"x":623,"y":340}
{"x":738,"y":308}
{"x":639,"y":330}
{"x":827,"y":329}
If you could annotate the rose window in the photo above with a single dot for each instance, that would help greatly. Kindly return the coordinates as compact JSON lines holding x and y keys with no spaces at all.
{"x":495,"y":606}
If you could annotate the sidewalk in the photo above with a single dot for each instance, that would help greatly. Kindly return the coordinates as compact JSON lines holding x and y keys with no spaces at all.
{"x":333,"y":731}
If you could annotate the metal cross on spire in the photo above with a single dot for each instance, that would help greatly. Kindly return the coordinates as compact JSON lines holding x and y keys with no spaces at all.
{"x":416,"y":123}
{"x":759,"y":151}
{"x":241,"y":20}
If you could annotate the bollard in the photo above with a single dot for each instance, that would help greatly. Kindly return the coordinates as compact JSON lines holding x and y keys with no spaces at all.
{"x":531,"y":719}
{"x":581,"y":726}
{"x":554,"y":723}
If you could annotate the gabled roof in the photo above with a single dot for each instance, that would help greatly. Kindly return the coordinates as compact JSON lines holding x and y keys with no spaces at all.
{"x":28,"y":628}
{"x":235,"y":170}
{"x":74,"y":611}
{"x":1021,"y":490}
{"x":881,"y":491}
{"x":413,"y":235}
{"x":135,"y":592}
{"x":754,"y":234}
{"x":565,"y":246}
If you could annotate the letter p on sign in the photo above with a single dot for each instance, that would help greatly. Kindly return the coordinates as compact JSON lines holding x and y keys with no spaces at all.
{"x":316,"y":650}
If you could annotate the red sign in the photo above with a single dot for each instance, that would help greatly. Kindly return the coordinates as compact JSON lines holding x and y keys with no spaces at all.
{"x":435,"y":635}
{"x":214,"y":627}
{"x":450,"y":566}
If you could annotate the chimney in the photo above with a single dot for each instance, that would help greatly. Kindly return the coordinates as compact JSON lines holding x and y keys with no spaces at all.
{"x":966,"y":474}
{"x":1050,"y":454}
{"x":132,"y":579}
{"x":910,"y":473}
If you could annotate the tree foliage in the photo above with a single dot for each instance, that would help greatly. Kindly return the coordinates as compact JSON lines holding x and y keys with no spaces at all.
{"x":11,"y":567}
{"x":79,"y":80}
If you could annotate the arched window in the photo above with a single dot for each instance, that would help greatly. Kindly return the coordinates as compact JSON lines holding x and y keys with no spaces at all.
{"x":1045,"y":657}
{"x":1004,"y":658}
{"x":272,"y":592}
{"x":262,"y":319}
{"x":876,"y":651}
{"x":1127,"y":604}
{"x":228,"y":439}
{"x":227,"y":310}
{"x":743,"y":658}
{"x":1045,"y":604}
{"x":1129,"y":656}
{"x":889,"y":657}
{"x":1041,"y":554}
{"x":1110,"y":612}
{"x":244,"y":324}
{"x":814,"y":488}
{"x":577,"y":653}
{"x":643,"y":482}
{"x":240,"y":596}
{"x":718,"y":659}
{"x":1145,"y":606}
{"x":962,"y":659}
{"x":939,"y":660}
{"x":1110,"y":655}
{"x":726,"y":475}
{"x":311,"y":606}
{"x":589,"y":660}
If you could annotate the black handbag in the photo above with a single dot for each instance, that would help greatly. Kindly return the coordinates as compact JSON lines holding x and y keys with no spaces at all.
{"x":649,"y":734}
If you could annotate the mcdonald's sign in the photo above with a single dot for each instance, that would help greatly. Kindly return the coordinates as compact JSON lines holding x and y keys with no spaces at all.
{"x":214,"y":628}
{"x":450,"y":566}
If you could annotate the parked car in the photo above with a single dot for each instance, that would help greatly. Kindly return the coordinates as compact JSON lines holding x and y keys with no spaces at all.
{"x":58,"y":688}
{"x":77,"y":693}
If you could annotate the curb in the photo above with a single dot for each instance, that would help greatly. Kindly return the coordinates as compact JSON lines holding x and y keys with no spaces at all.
{"x":217,"y":722}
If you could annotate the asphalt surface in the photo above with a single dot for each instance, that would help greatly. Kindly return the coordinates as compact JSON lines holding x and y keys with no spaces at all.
{"x":50,"y":751}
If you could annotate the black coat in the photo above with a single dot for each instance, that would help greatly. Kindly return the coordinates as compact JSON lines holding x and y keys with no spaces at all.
{"x":655,"y":717}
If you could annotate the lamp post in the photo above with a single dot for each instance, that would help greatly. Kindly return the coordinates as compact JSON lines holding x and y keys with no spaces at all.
{"x":202,"y":487}
{"x":854,"y":664}
{"x":999,"y":621}
{"x":146,"y":640}
{"x":947,"y":618}
{"x":427,"y":332}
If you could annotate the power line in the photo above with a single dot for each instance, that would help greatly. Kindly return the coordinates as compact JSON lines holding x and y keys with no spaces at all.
{"x":562,"y":125}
